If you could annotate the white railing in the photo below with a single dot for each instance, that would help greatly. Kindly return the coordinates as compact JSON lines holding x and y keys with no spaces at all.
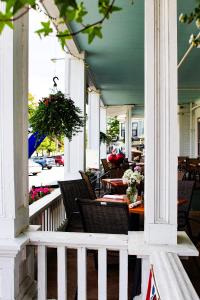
{"x":80,"y":241}
{"x":171,"y":278}
{"x":48,"y":212}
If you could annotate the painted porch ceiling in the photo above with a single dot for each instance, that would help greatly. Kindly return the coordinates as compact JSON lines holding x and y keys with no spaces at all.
{"x":117,"y":61}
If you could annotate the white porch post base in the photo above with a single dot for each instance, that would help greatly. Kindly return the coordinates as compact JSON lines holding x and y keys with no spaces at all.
{"x":75,"y":89}
{"x":16,"y":269}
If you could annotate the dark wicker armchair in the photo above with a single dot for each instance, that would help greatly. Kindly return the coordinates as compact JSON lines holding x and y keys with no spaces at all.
{"x":104,"y":217}
{"x":185,"y":190}
{"x":111,"y":218}
{"x":91,"y":191}
{"x":71,"y":190}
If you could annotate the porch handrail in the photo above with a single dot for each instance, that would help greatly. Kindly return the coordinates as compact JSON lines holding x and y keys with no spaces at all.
{"x":171,"y":278}
{"x":48,"y":212}
{"x":80,"y":241}
{"x":40,"y":205}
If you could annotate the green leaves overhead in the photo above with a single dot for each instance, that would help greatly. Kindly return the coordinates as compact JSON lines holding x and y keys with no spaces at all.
{"x":69,"y":10}
{"x":45,"y":30}
{"x":5,"y":20}
{"x":193,"y":16}
{"x":93,"y":32}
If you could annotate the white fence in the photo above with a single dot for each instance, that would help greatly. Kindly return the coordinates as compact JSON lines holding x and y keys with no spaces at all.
{"x":171,"y":278}
{"x":49,"y":212}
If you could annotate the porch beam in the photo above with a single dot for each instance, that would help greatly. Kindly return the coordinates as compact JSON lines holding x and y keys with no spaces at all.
{"x":161,"y":121}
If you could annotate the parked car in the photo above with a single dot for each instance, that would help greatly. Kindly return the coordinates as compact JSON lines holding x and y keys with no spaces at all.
{"x":33,"y":167}
{"x":44,"y":162}
{"x":59,"y":160}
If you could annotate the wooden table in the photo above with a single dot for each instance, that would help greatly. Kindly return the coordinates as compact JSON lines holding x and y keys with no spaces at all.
{"x":138,"y":209}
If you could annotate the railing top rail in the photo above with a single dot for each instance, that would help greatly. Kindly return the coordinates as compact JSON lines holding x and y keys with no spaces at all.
{"x":43,"y":203}
{"x":138,"y":246}
{"x":78,"y":240}
{"x":171,"y":278}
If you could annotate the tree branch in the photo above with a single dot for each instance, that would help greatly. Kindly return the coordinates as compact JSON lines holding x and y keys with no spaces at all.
{"x":85,"y":27}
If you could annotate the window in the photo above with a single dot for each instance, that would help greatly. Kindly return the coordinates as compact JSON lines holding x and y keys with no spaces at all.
{"x":134,"y":129}
{"x":123,"y":130}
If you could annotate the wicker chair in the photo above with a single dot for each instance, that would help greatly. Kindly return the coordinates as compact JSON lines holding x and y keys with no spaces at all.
{"x":104,"y":217}
{"x":112,"y":218}
{"x":91,"y":191}
{"x":71,"y":190}
{"x":185,"y":190}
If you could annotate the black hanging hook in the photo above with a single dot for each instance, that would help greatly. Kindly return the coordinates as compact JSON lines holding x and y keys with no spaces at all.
{"x":54,"y":81}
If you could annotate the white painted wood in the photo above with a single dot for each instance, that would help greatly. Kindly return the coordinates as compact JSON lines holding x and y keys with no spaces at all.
{"x":82,"y":273}
{"x":42,"y":273}
{"x":161,"y":136}
{"x":138,"y":246}
{"x":79,"y":239}
{"x":62,"y":273}
{"x":93,"y":157}
{"x":123,"y":275}
{"x":75,"y":86}
{"x":171,"y":279}
{"x":13,"y":133}
{"x":128,"y":134}
{"x":49,"y":211}
{"x":102,"y":274}
{"x":103,"y":122}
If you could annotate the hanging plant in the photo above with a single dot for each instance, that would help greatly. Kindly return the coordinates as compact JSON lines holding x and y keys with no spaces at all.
{"x":104,"y":138}
{"x":57,"y":116}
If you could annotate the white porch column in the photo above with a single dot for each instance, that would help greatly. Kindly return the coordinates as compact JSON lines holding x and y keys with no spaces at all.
{"x":93,"y":129}
{"x":128,"y":135}
{"x":75,"y":88}
{"x":161,"y":121}
{"x":103,"y":121}
{"x":15,"y":279}
{"x":13,"y":129}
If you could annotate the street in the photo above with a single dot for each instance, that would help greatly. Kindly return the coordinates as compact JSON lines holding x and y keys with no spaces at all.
{"x":47,"y":177}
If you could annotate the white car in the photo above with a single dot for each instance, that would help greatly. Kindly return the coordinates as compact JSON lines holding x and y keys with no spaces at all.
{"x":33,"y":167}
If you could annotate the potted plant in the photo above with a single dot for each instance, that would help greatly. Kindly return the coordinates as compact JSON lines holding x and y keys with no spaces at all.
{"x":56,"y":116}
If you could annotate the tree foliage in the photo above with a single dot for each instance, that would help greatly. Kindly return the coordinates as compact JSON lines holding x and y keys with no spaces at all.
{"x":112,"y":128}
{"x":193,"y":16}
{"x":69,"y":10}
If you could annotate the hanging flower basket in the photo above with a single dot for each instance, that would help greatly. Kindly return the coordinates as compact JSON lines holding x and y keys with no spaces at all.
{"x":57,"y":116}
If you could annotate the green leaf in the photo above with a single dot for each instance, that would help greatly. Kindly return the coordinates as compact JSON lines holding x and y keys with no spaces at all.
{"x":80,"y":13}
{"x":45,"y":30}
{"x":66,"y":7}
{"x":63,"y":36}
{"x":93,"y":32}
{"x":5,"y":21}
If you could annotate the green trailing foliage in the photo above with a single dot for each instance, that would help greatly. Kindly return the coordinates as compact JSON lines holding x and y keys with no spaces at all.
{"x":57,"y":116}
{"x":193,"y":16}
{"x":104,"y":138}
{"x":69,"y":10}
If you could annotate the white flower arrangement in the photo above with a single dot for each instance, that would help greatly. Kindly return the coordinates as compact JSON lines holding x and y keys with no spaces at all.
{"x":132,"y":177}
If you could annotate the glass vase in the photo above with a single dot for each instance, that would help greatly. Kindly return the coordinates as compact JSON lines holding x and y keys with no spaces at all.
{"x":132,"y":193}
